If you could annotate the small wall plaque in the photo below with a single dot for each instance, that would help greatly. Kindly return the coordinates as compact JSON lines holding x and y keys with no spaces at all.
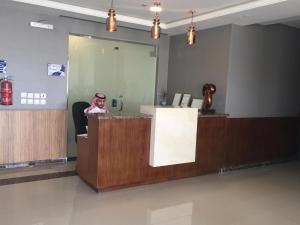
{"x":56,"y":70}
{"x":3,"y":66}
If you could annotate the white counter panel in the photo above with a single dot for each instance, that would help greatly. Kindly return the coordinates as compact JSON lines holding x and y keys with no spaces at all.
{"x":173,"y":135}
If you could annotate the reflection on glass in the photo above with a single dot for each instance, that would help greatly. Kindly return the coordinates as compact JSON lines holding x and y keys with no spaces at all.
{"x":125,"y":72}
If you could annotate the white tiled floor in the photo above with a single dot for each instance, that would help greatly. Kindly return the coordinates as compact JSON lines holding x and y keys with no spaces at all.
{"x":37,"y":170}
{"x":261,"y":196}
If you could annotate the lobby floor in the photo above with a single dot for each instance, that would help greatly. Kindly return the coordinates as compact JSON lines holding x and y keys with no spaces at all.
{"x":259,"y":196}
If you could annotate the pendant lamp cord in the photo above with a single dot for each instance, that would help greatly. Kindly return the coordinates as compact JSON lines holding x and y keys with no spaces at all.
{"x":112,"y":4}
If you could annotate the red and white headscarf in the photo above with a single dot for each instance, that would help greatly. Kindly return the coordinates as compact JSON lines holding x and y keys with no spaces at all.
{"x":94,"y":108}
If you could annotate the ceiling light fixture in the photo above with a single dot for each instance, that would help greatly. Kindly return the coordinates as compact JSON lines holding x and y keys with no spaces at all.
{"x":156,"y":7}
{"x":191,"y":34}
{"x":155,"y":29}
{"x":144,"y":22}
{"x":111,"y":21}
{"x":225,"y":11}
{"x":41,"y":25}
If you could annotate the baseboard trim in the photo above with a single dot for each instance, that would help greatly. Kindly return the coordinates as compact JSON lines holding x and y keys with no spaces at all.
{"x":254,"y":165}
{"x":39,"y":177}
{"x":33,"y":163}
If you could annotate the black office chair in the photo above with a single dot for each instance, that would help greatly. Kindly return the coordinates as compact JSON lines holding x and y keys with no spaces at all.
{"x":80,"y":120}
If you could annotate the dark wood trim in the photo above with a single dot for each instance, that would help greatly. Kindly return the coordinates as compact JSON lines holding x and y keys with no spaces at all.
{"x":39,"y":177}
{"x":255,"y":140}
{"x":298,"y":137}
{"x":116,"y":153}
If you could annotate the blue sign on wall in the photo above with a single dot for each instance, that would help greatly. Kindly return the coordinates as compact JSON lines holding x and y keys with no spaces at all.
{"x":56,"y":70}
{"x":3,"y":66}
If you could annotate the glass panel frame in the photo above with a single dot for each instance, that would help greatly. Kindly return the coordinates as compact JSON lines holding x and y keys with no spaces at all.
{"x":71,"y":137}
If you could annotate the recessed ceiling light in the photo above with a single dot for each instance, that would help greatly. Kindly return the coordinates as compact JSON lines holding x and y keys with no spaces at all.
{"x":41,"y":25}
{"x":156,"y":7}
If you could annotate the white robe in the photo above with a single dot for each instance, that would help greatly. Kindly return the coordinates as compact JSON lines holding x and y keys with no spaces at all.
{"x":95,"y":110}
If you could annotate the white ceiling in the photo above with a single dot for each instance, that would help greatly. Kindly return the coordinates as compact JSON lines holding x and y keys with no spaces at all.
{"x":175,"y":16}
{"x":293,"y":22}
{"x":173,"y":10}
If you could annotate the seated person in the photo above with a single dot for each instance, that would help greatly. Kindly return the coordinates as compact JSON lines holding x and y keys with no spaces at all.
{"x":98,"y":104}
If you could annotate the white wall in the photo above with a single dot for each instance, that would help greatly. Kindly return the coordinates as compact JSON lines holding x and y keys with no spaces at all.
{"x":29,"y":50}
{"x":264,"y":72}
{"x":256,"y":69}
{"x":190,"y":67}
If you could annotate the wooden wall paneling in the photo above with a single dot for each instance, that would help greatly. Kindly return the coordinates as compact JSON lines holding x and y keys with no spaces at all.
{"x":57,"y":135}
{"x":83,"y":154}
{"x":93,"y":149}
{"x":270,"y":143}
{"x":49,"y":133}
{"x":87,"y":154}
{"x":283,"y":138}
{"x":155,"y":174}
{"x":298,"y":137}
{"x":290,"y":131}
{"x":11,"y":139}
{"x":243,"y":139}
{"x":184,"y":170}
{"x":233,"y":153}
{"x":141,"y":133}
{"x":254,"y":140}
{"x":259,"y":140}
{"x":2,"y":137}
{"x":250,"y":141}
{"x":246,"y":140}
{"x":5,"y":138}
{"x":242,"y":142}
{"x":280,"y":138}
{"x":40,"y":132}
{"x":210,"y":144}
{"x":24,"y":135}
{"x":122,"y":145}
{"x":29,"y":135}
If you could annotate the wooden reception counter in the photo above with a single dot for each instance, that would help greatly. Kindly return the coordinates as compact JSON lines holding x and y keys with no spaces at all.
{"x":115,"y":153}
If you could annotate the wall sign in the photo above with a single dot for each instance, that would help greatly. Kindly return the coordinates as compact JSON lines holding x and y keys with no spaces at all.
{"x":3,"y":66}
{"x":56,"y":70}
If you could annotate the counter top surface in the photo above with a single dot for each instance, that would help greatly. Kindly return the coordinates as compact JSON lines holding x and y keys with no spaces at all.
{"x":213,"y":115}
{"x":120,"y":115}
{"x":129,"y":115}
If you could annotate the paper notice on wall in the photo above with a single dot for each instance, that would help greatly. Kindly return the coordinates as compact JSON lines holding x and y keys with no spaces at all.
{"x":56,"y":70}
{"x":3,"y":66}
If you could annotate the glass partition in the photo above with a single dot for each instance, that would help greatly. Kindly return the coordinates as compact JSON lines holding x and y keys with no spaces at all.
{"x":124,"y":72}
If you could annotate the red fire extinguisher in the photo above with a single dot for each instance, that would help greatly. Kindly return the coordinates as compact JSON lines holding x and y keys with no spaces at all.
{"x":6,"y":91}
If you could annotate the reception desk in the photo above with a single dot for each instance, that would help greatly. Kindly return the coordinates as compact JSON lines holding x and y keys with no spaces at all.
{"x":116,"y":151}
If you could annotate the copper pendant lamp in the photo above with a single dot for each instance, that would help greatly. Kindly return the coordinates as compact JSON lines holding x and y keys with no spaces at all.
{"x":191,"y":34}
{"x":155,"y":29}
{"x":111,"y":21}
